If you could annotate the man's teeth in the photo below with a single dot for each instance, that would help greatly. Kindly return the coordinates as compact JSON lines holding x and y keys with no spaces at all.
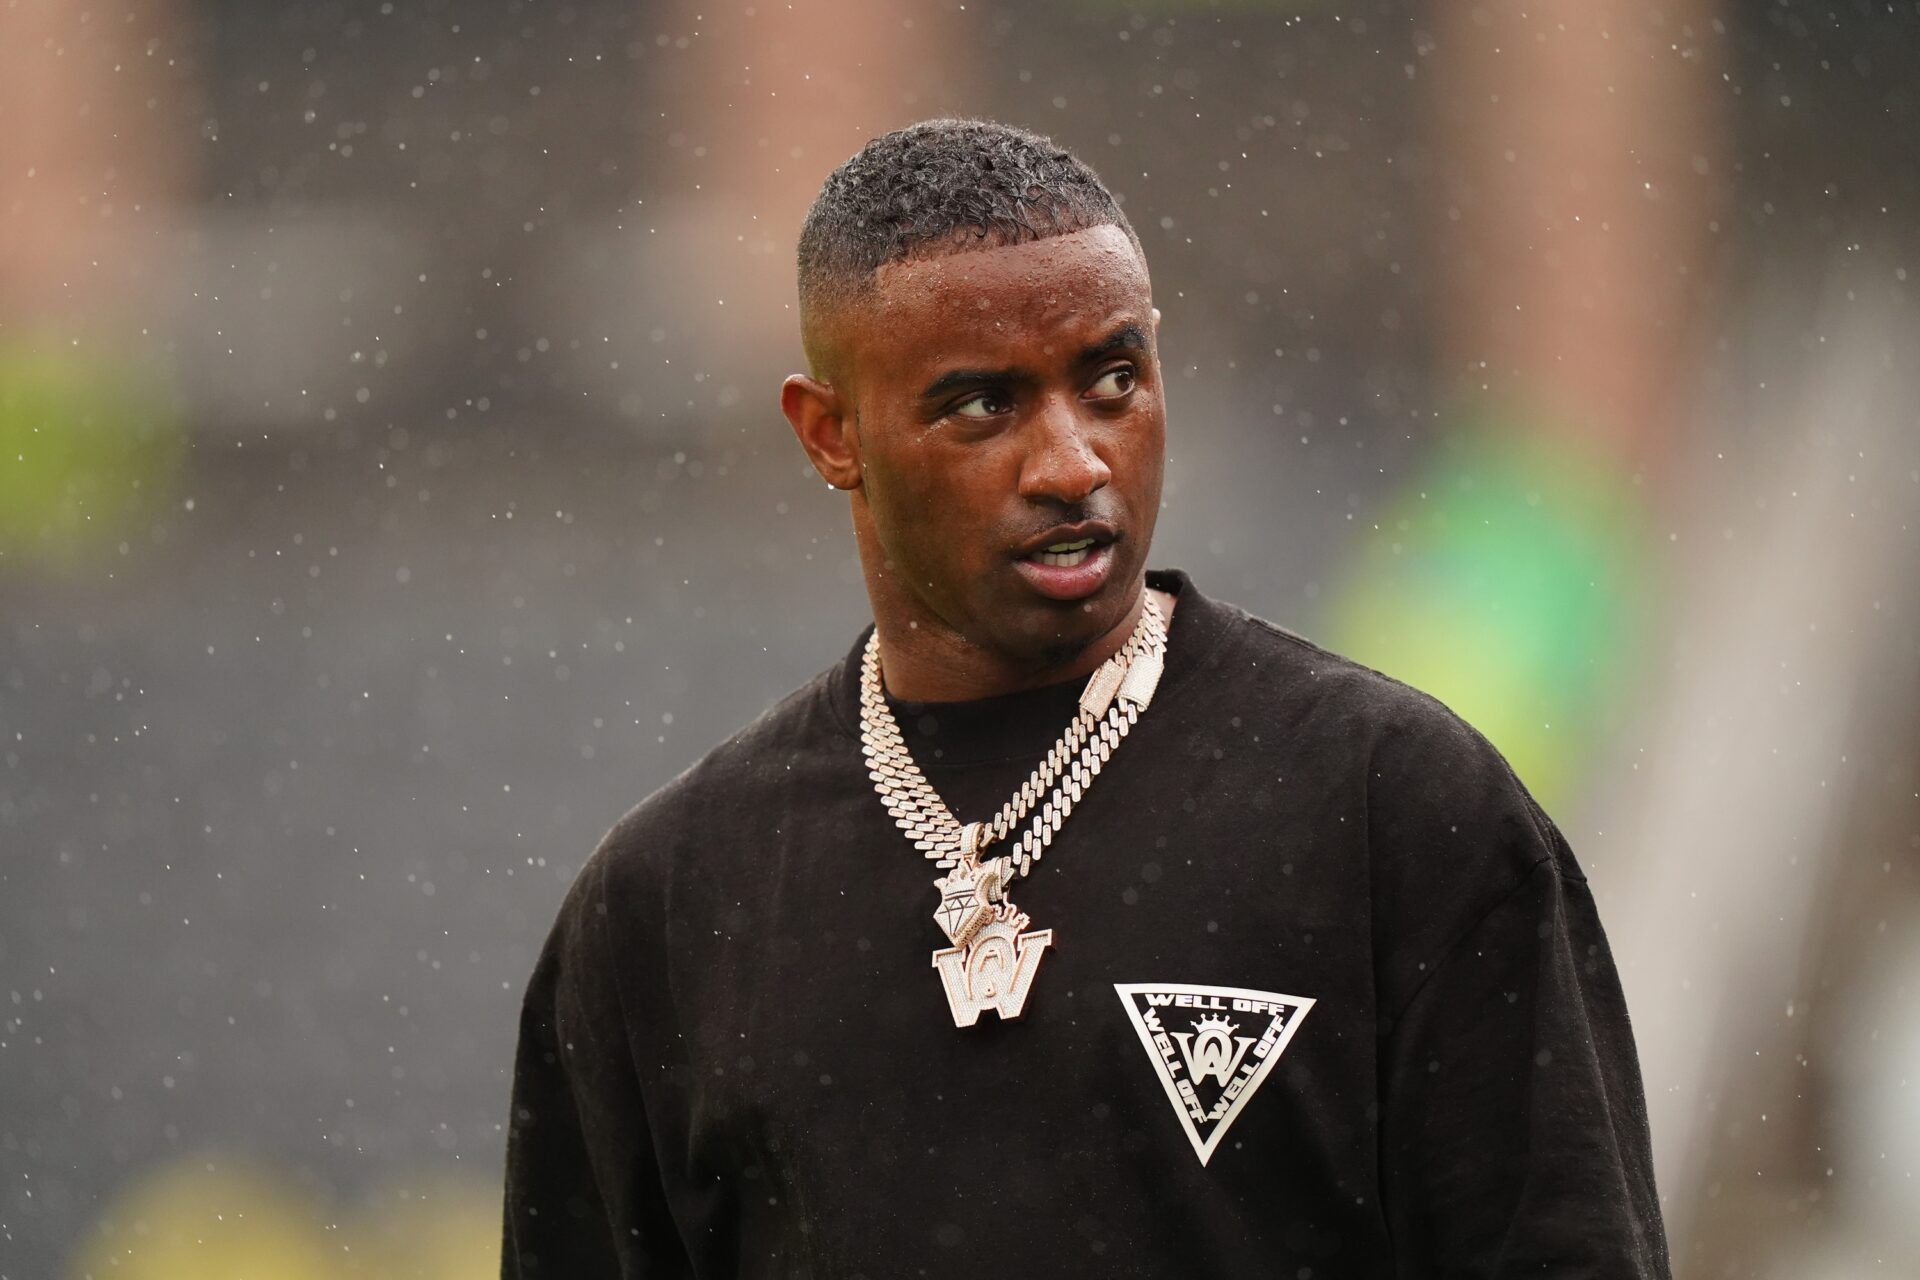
{"x":1065,"y":555}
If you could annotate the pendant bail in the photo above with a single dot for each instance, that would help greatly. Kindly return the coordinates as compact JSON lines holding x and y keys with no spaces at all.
{"x":972,"y":836}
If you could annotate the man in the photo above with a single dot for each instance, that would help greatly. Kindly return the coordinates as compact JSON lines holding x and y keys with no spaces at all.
{"x":1075,"y":922}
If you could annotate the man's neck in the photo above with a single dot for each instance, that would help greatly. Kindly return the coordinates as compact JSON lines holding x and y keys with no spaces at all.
{"x":921,"y":665}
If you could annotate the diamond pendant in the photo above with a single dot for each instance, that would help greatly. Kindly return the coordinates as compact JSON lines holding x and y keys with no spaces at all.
{"x":969,"y":895}
{"x":991,"y":962}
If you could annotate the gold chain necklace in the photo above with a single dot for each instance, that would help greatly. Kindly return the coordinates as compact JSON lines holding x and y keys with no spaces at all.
{"x":992,"y":962}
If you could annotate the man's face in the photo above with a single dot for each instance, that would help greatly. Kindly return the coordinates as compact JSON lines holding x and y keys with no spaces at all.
{"x":1004,"y":396}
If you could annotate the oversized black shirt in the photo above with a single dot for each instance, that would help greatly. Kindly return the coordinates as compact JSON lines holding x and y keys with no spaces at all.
{"x":1297,"y":879}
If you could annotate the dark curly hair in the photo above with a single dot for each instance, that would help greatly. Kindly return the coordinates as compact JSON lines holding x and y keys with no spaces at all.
{"x":939,"y":186}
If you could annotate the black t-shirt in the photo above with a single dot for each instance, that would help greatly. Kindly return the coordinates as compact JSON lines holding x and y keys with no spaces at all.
{"x":1306,"y":924}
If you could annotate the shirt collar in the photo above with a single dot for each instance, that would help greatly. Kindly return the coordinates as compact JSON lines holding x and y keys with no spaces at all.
{"x":1023,"y":725}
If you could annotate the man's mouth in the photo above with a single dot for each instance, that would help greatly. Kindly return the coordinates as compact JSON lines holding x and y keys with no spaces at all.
{"x":1064,"y":555}
{"x":1070,"y":567}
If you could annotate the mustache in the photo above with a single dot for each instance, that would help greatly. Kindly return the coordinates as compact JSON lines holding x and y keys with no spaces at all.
{"x":1070,"y":513}
{"x":1045,"y":520}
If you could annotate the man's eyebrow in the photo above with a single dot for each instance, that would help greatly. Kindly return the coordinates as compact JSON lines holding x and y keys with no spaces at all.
{"x":954,"y":379}
{"x":1127,"y":335}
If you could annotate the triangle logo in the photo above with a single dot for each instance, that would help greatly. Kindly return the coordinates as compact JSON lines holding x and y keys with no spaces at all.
{"x":1212,"y":1048}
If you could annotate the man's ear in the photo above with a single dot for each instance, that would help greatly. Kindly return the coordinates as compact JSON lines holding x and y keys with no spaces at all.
{"x":820,"y":419}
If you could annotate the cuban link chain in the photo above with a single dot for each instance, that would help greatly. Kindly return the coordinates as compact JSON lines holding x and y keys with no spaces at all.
{"x":1114,"y":696}
{"x":993,"y":959}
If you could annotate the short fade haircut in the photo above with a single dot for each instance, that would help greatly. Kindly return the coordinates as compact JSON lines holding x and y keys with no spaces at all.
{"x":939,"y":186}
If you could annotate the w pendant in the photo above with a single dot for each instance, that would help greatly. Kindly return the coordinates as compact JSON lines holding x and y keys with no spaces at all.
{"x":991,"y":963}
{"x":994,"y":969}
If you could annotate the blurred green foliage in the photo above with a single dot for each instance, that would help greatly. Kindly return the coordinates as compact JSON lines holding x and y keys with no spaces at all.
{"x":1509,"y":581}
{"x":88,"y":449}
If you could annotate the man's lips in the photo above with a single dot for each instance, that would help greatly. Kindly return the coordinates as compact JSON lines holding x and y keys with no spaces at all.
{"x":1068,"y":576}
{"x":1061,"y":535}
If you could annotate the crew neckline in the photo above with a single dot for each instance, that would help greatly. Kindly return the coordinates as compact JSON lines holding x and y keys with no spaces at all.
{"x":1024,"y":724}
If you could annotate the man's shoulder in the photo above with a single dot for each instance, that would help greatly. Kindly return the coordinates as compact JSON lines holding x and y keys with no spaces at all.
{"x":1373,"y":708}
{"x":1451,"y":829}
{"x":1427,"y":766}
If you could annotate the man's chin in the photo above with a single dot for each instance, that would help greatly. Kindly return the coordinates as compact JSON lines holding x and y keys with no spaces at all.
{"x":1054,"y":633}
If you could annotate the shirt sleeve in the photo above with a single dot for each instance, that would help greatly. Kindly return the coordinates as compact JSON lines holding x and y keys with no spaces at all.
{"x":583,"y":1197}
{"x":1514,"y":1137}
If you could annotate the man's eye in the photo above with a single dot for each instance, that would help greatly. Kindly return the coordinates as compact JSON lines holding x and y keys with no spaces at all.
{"x":1114,"y":382}
{"x":984,"y":405}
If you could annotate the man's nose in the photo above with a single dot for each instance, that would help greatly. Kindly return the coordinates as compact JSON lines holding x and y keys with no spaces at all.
{"x":1061,"y":463}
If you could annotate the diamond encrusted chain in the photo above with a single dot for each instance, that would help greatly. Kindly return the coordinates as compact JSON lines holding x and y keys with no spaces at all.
{"x":1115,"y":694}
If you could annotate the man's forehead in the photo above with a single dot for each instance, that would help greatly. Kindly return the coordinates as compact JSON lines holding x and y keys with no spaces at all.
{"x":1099,"y":261}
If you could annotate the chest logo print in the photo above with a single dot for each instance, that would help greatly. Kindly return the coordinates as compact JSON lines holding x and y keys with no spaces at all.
{"x":1212,"y":1047}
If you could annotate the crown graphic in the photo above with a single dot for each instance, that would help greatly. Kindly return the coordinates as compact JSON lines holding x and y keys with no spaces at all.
{"x":972,"y":897}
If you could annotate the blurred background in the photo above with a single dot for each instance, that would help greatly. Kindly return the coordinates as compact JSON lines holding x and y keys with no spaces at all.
{"x":393,"y":491}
